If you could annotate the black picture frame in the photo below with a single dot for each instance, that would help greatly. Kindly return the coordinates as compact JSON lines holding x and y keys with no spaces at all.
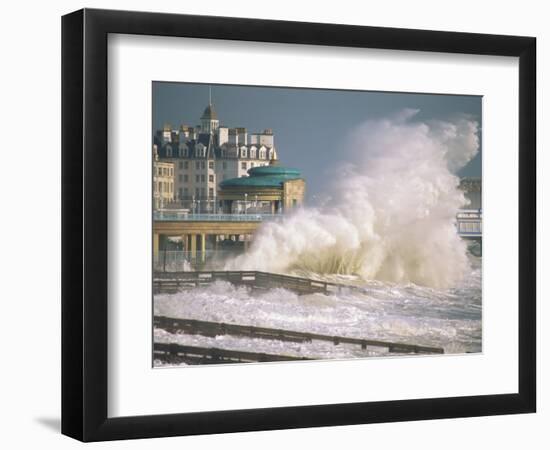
{"x":84,"y":224}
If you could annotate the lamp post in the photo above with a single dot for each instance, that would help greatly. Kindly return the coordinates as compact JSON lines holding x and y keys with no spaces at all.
{"x":245,"y":202}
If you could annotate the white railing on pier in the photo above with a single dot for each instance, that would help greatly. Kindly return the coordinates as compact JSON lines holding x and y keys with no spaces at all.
{"x":469,"y":223}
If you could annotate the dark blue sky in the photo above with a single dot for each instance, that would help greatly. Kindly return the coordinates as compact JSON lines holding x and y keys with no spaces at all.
{"x":309,"y":124}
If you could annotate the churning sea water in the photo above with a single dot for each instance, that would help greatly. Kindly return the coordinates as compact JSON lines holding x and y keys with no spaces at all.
{"x":407,"y":313}
{"x":388,"y":226}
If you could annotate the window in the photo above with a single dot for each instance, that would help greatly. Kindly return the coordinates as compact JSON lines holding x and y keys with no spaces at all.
{"x":211,"y":178}
{"x":211,"y":192}
{"x":253,"y":153}
{"x":243,"y":152}
{"x":197,"y":165}
{"x":180,"y":192}
{"x":185,"y":178}
{"x":197,"y":192}
{"x":180,"y":164}
{"x":185,"y":192}
{"x":243,"y":166}
{"x":203,"y":178}
{"x":224,"y":165}
{"x":251,"y":164}
{"x":262,"y":154}
{"x":186,"y":165}
{"x":180,"y":177}
{"x":203,"y":164}
{"x":211,"y":165}
{"x":197,"y":178}
{"x":169,"y":151}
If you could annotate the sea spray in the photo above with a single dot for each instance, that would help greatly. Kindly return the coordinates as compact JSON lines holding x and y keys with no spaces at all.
{"x":391,"y":214}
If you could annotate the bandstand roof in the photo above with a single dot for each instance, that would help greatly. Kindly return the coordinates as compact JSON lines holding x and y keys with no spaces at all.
{"x":265,"y":176}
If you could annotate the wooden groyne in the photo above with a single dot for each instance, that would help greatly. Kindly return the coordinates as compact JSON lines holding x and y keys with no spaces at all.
{"x":171,"y":282}
{"x":175,"y":353}
{"x":212,"y":329}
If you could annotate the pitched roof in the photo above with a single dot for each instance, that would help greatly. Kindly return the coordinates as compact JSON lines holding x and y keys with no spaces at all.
{"x":210,"y":113}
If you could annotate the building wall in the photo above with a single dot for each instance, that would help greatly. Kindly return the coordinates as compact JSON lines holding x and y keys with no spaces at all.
{"x":199,"y":178}
{"x":293,"y":193}
{"x":163,"y":183}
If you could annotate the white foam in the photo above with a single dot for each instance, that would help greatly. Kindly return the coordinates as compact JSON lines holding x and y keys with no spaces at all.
{"x":391,"y":212}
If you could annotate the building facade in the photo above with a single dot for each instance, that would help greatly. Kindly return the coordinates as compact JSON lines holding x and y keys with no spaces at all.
{"x":205,"y":155}
{"x":163,"y":182}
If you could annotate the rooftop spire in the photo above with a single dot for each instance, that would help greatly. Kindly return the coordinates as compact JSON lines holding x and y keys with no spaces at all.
{"x":209,"y":95}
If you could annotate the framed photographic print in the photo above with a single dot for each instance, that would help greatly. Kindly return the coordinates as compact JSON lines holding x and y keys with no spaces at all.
{"x":274,"y":224}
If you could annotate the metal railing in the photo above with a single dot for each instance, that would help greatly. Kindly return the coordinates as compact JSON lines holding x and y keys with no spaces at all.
{"x":186,"y":261}
{"x":168,"y":216}
{"x":469,"y":223}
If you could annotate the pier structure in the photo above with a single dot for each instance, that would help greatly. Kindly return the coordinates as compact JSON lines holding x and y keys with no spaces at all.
{"x":195,"y":231}
{"x":469,"y":224}
{"x":242,"y":203}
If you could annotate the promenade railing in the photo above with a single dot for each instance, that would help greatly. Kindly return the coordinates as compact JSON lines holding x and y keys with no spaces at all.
{"x":186,"y":261}
{"x":169,"y":216}
{"x":469,"y":223}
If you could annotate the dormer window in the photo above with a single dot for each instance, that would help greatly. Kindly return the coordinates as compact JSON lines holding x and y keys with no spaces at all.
{"x":183,"y":152}
{"x":200,"y":151}
{"x":243,"y":152}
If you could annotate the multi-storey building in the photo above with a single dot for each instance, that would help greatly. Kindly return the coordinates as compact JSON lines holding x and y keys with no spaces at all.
{"x":205,"y":155}
{"x":163,"y":181}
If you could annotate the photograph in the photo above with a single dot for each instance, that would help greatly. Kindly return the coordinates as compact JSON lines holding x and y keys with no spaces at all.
{"x":292,"y":224}
{"x":252,"y":225}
